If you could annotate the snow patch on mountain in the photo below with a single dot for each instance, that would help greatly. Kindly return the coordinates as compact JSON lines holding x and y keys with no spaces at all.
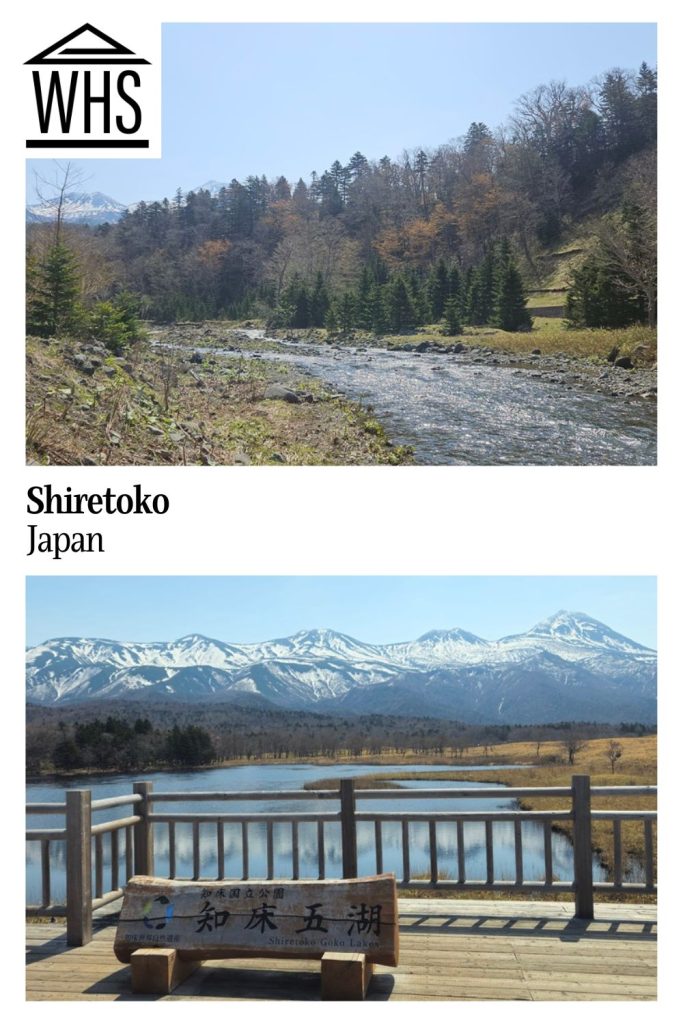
{"x":565,"y":664}
{"x":78,"y":208}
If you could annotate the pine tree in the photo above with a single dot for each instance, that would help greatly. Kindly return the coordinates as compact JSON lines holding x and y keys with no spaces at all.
{"x":646,"y":103}
{"x":319,"y":303}
{"x":455,"y":284}
{"x":347,"y":311}
{"x":54,"y":307}
{"x":401,"y":314}
{"x":419,"y":299}
{"x":452,"y":315}
{"x":302,"y":308}
{"x":597,"y":297}
{"x":438,"y":289}
{"x":331,"y":319}
{"x":379,"y":321}
{"x":510,"y":312}
{"x":363,"y":300}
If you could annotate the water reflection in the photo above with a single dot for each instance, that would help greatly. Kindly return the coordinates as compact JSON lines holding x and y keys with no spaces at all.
{"x":261,"y":777}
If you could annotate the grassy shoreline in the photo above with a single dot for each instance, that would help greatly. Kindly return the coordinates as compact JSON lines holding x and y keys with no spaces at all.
{"x":549,"y":336}
{"x":548,"y":767}
{"x":166,"y":407}
{"x":637,"y":767}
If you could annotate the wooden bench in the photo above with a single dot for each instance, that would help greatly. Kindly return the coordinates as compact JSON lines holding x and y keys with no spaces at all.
{"x":168,"y":928}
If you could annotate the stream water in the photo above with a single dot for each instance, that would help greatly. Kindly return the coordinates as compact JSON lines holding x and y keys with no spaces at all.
{"x":456,"y":413}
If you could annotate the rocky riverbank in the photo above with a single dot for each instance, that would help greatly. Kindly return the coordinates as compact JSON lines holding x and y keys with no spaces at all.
{"x":618,"y":377}
{"x":169,"y":404}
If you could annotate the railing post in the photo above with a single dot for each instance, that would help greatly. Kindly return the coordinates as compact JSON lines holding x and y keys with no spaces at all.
{"x":78,"y":867}
{"x":348,"y":828}
{"x":583,"y":847}
{"x":143,"y":831}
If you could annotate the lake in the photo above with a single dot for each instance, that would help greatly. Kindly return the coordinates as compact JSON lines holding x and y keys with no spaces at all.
{"x":295,"y":776}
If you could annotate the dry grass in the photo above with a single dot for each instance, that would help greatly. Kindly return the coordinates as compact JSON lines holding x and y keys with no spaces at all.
{"x":549,"y":337}
{"x":637,"y":767}
{"x":156,"y":408}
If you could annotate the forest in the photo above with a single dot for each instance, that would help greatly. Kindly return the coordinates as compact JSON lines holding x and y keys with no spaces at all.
{"x":453,"y":236}
{"x":115,"y":736}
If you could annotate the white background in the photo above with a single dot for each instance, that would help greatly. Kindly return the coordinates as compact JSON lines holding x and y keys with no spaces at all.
{"x":412,"y":520}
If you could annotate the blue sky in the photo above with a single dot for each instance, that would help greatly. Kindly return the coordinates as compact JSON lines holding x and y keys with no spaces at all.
{"x":376,"y":609}
{"x":289,"y":99}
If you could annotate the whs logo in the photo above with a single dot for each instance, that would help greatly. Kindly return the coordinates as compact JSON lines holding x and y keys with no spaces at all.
{"x":91,"y":92}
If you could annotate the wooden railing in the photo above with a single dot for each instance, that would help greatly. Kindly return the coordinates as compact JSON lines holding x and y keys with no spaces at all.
{"x":85,"y":888}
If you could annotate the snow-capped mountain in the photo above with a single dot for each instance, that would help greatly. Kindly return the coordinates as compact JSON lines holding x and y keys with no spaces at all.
{"x":214,"y":187}
{"x":569,"y":666}
{"x":79,"y":208}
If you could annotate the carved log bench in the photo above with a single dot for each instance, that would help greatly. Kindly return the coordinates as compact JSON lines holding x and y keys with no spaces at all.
{"x":168,"y":928}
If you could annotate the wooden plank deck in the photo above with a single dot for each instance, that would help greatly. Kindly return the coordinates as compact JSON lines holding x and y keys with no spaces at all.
{"x":449,"y":949}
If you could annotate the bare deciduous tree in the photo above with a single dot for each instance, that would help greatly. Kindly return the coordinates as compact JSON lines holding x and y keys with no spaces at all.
{"x":54,"y":191}
{"x":573,"y":745}
{"x":614,"y":752}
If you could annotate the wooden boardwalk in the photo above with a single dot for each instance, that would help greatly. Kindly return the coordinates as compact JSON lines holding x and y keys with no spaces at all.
{"x":450,"y":949}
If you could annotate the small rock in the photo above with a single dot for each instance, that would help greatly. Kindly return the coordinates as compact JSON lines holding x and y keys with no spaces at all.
{"x":196,"y":357}
{"x":155,"y":430}
{"x":241,"y":459}
{"x":459,"y":347}
{"x":536,"y":352}
{"x":624,"y":362}
{"x":276,"y":457}
{"x":278,"y":391}
{"x":109,"y":371}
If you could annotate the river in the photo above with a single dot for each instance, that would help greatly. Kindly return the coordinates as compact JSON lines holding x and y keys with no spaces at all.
{"x":457,"y":413}
{"x":278,"y":777}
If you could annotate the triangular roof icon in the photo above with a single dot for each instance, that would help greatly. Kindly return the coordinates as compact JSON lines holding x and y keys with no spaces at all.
{"x":90,"y":51}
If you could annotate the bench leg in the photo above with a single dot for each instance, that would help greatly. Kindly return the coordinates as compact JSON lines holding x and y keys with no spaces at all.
{"x":159,"y":971}
{"x":345,"y":975}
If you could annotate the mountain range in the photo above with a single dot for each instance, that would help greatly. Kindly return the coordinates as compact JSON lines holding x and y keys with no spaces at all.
{"x":568,"y":667}
{"x":78,"y":208}
{"x":93,"y":208}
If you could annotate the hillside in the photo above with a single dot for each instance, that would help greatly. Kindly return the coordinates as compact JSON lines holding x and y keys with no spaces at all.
{"x":386,"y":243}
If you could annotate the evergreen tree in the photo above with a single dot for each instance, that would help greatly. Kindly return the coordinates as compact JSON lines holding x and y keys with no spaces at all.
{"x":510,"y":312}
{"x":331,"y":319}
{"x":400,"y":310}
{"x":455,"y":285}
{"x":346,"y":311}
{"x":452,"y":316}
{"x":597,"y":297}
{"x":379,"y":320}
{"x":438,"y":291}
{"x":419,"y":299}
{"x":319,"y":303}
{"x":364,"y":309}
{"x":54,"y":308}
{"x":646,"y":103}
{"x":302,"y":307}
